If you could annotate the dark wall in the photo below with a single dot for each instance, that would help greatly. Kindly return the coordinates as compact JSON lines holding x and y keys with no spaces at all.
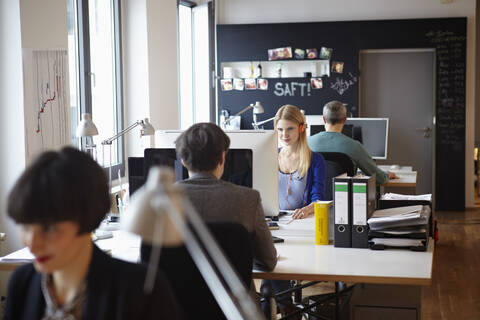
{"x":447,"y":36}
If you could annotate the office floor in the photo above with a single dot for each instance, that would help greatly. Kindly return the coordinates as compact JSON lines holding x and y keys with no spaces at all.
{"x":455,"y":289}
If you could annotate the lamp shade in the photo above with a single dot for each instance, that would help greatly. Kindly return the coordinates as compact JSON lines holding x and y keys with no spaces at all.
{"x":258,"y":108}
{"x":86,"y":127}
{"x":147,"y":128}
{"x":148,"y":212}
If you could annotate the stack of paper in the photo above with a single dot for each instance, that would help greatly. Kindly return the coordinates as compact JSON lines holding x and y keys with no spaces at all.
{"x":399,"y":217}
{"x":400,"y":227}
{"x":397,"y":196}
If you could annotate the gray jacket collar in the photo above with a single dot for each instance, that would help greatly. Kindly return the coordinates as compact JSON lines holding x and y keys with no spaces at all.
{"x":202,"y":175}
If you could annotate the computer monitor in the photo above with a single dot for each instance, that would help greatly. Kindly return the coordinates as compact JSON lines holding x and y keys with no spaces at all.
{"x":256,"y":149}
{"x":373,"y":135}
{"x":371,"y":132}
{"x":316,"y":128}
{"x":238,"y":164}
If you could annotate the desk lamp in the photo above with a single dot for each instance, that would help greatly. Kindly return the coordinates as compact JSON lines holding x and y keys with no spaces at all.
{"x":87,"y":129}
{"x":158,"y":213}
{"x":257,"y":109}
{"x":256,"y":125}
{"x":146,"y":130}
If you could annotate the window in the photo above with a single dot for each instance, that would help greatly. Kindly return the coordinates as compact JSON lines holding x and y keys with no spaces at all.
{"x":196,"y":63}
{"x":94,"y":42}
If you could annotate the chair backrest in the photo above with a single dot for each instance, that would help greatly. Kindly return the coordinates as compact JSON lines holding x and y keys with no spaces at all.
{"x":336,"y":164}
{"x":190,"y":290}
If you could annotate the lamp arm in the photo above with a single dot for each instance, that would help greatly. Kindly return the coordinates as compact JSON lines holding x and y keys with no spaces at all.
{"x":121,"y":133}
{"x":239,"y":113}
{"x":264,"y":121}
{"x":235,"y":305}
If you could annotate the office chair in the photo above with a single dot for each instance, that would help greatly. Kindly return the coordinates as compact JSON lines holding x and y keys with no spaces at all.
{"x":191,"y":291}
{"x":336,"y":164}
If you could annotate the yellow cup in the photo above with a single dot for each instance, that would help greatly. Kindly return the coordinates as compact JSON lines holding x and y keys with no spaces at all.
{"x":321,"y":221}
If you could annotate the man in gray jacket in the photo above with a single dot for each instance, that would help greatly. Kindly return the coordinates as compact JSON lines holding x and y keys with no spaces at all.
{"x":202,"y":149}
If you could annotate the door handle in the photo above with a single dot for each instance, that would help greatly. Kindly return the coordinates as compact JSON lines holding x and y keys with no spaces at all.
{"x":426,"y":131}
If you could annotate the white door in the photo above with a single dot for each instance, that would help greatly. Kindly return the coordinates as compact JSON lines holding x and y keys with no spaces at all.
{"x":399,"y":84}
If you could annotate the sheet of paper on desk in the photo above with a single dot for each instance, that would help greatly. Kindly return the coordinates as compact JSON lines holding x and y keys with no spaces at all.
{"x":22,"y":255}
{"x":397,"y":196}
{"x":297,"y":227}
{"x":397,"y":242}
{"x":398,"y":211}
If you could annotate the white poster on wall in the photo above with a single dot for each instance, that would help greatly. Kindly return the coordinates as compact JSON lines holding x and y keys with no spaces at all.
{"x":46,"y":100}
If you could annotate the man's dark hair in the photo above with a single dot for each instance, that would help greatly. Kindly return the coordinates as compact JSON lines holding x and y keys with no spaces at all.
{"x":334,"y":112}
{"x":201,"y":146}
{"x":65,"y":185}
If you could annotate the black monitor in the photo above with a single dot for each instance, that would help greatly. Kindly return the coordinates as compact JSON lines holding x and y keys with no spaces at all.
{"x":347,"y":130}
{"x":238,"y":165}
{"x":136,"y":173}
{"x":164,"y":157}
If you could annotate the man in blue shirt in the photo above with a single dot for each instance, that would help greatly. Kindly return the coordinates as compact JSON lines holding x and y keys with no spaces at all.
{"x":333,"y":140}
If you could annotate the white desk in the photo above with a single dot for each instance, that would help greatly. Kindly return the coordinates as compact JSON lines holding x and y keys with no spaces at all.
{"x":301,"y":259}
{"x":407,"y":177}
{"x":382,"y":274}
{"x":123,"y":245}
{"x":396,"y":169}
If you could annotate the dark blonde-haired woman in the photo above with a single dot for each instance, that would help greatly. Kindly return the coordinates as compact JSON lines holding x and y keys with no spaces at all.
{"x":301,"y":177}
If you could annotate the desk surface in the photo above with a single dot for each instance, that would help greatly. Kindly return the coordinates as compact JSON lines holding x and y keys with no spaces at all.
{"x":123,"y":246}
{"x":406,"y":179}
{"x":301,"y":259}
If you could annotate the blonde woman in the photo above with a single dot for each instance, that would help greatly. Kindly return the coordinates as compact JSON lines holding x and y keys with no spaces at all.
{"x":301,"y":181}
{"x":301,"y":176}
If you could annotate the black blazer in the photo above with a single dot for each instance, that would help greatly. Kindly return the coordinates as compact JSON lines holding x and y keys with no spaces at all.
{"x":114,"y":291}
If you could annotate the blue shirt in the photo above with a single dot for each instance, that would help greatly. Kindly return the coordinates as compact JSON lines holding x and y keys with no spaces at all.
{"x":291,"y":190}
{"x":315,"y":185}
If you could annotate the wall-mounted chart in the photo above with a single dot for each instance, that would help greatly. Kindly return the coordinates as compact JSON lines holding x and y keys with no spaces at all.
{"x":46,"y":100}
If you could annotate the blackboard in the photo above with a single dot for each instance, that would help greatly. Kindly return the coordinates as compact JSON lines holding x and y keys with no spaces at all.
{"x":347,"y":38}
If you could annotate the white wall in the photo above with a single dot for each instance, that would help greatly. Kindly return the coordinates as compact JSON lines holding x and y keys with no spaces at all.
{"x":12,"y":158}
{"x":23,"y":24}
{"x":162,"y":63}
{"x":276,"y":11}
{"x":135,"y":68}
{"x":150,"y":66}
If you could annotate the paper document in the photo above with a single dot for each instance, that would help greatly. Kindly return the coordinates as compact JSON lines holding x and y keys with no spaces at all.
{"x":397,"y":242}
{"x":397,"y":196}
{"x":399,"y":217}
{"x":22,"y":255}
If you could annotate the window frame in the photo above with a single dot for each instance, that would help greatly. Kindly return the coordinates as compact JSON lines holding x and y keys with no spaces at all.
{"x":85,"y":74}
{"x":212,"y":112}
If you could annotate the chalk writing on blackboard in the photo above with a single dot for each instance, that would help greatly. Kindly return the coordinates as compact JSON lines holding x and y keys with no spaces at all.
{"x":341,"y":85}
{"x":285,"y":89}
{"x":450,"y":54}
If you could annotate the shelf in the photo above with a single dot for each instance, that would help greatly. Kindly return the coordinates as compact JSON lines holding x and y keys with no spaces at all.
{"x":291,"y":68}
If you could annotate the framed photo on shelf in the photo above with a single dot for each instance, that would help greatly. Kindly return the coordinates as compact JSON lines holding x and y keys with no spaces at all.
{"x":226,"y":84}
{"x":250,"y":83}
{"x":238,"y":84}
{"x":316,"y":83}
{"x":280,"y":53}
{"x":312,"y":53}
{"x":325,"y":53}
{"x":337,"y":66}
{"x":299,"y":53}
{"x":262,"y":84}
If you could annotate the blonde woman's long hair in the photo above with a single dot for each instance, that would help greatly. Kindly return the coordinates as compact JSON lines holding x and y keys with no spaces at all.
{"x":292,"y":113}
